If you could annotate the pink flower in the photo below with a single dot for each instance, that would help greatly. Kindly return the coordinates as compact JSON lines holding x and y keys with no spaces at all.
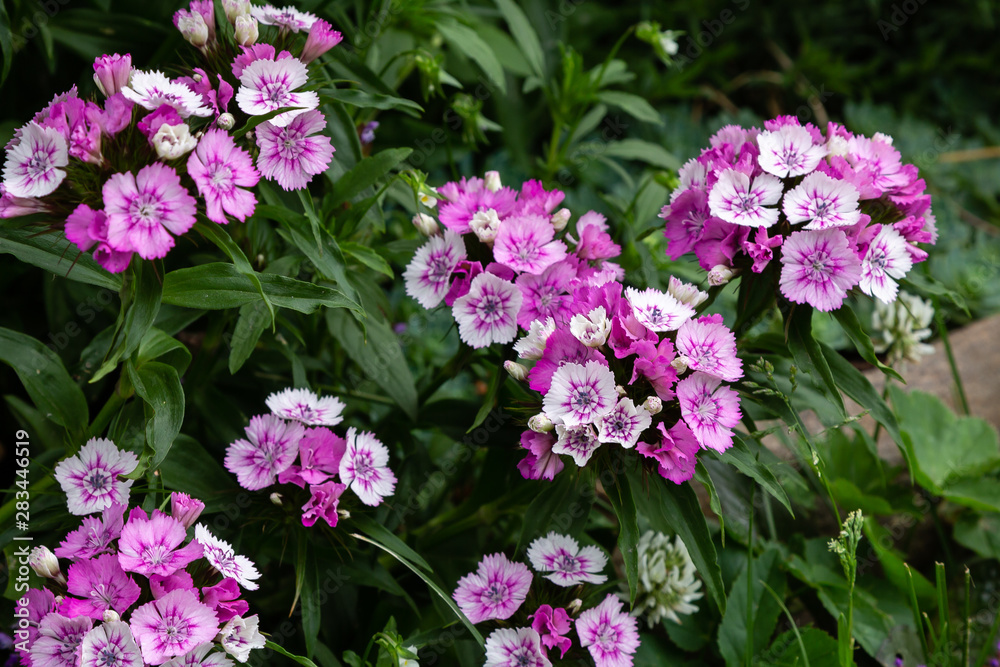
{"x":818,"y":267}
{"x":823,"y":202}
{"x":494,"y":591}
{"x":223,"y":598}
{"x":595,"y":242}
{"x":290,"y":155}
{"x":320,"y":451}
{"x":525,"y":244}
{"x":788,"y":151}
{"x":540,"y":462}
{"x":685,"y":216}
{"x":470,"y":196}
{"x":269,"y":85}
{"x":94,"y":536}
{"x":887,"y":258}
{"x":172,"y":626}
{"x":103,"y":585}
{"x":304,"y":406}
{"x":13,"y":207}
{"x":710,"y":347}
{"x":580,"y":442}
{"x":546,"y":295}
{"x":58,"y":641}
{"x":322,"y":503}
{"x":110,"y":645}
{"x":656,"y":310}
{"x":201,"y":656}
{"x":710,"y":410}
{"x":552,"y":624}
{"x":624,"y":424}
{"x":152,"y":545}
{"x":879,"y":160}
{"x":286,"y":18}
{"x":322,"y":38}
{"x":488,"y":313}
{"x":144,"y":209}
{"x":40,"y":603}
{"x":561,"y":347}
{"x":580,"y":394}
{"x":160,"y":585}
{"x":761,"y":250}
{"x":90,"y":479}
{"x":217,"y":167}
{"x":428,"y":276}
{"x":185,"y":509}
{"x":85,"y":227}
{"x":653,"y":363}
{"x":515,"y":647}
{"x":364,"y":468}
{"x":734,"y":198}
{"x":535,"y":199}
{"x":565,"y":562}
{"x":608,"y":633}
{"x":150,"y":90}
{"x":270,"y":447}
{"x":227,"y":562}
{"x":675,"y":453}
{"x":112,"y":73}
{"x":35,"y":164}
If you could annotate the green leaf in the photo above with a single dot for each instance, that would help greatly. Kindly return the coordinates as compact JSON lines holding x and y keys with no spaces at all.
{"x":192,"y":470}
{"x":312,"y":610}
{"x":379,"y":355}
{"x":158,"y":345}
{"x":740,"y":457}
{"x":553,"y":507}
{"x":702,"y":475}
{"x":466,"y":40}
{"x":622,"y":501}
{"x":368,"y":257}
{"x":360,"y":98}
{"x":365,"y":173}
{"x":218,"y":286}
{"x":250,"y":324}
{"x":491,"y":396}
{"x":733,"y":631}
{"x":44,"y":377}
{"x":159,"y":386}
{"x":979,"y":532}
{"x":525,"y":36}
{"x":55,"y":254}
{"x":280,"y":651}
{"x":821,"y":650}
{"x":645,"y":151}
{"x":633,"y":105}
{"x":139,"y":310}
{"x":221,"y":238}
{"x":324,"y":253}
{"x":6,"y":42}
{"x":808,"y":355}
{"x":377,"y":531}
{"x":862,"y":341}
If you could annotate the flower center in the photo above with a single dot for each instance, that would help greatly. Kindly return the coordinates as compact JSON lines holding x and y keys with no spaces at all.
{"x":490,"y":308}
{"x":747,"y":203}
{"x":276,"y":93}
{"x":607,"y":637}
{"x":496,"y":593}
{"x":566,"y":563}
{"x":38,"y":165}
{"x":816,"y":266}
{"x":98,"y":480}
{"x":582,"y":398}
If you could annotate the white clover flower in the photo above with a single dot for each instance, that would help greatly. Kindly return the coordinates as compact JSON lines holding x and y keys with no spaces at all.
{"x":667,"y":583}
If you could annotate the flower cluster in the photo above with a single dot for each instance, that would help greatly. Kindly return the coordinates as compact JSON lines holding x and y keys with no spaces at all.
{"x":126,"y":176}
{"x":137,"y":591}
{"x":499,"y":587}
{"x":667,"y":586}
{"x":899,"y":329}
{"x":840,"y":210}
{"x":293,"y":445}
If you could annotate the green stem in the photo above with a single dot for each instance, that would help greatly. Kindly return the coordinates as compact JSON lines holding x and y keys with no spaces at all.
{"x":748,"y":646}
{"x":988,"y":645}
{"x":110,"y":409}
{"x":963,"y":402}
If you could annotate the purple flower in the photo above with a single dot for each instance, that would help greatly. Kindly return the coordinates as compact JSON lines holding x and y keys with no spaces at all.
{"x":90,"y":479}
{"x":40,"y":603}
{"x":525,"y":244}
{"x":185,"y":509}
{"x":152,"y":545}
{"x":546,"y":295}
{"x":515,"y":647}
{"x":13,"y":207}
{"x":818,"y":268}
{"x":656,"y":310}
{"x":144,"y":209}
{"x":428,"y":275}
{"x":580,"y":442}
{"x":540,"y":462}
{"x":103,"y":585}
{"x":488,"y":313}
{"x":304,"y":406}
{"x":495,"y":590}
{"x":675,"y":453}
{"x":112,"y":73}
{"x":85,"y":227}
{"x":710,"y":347}
{"x":153,"y":89}
{"x":580,"y":394}
{"x":34,"y":166}
{"x":552,"y":624}
{"x":734,"y":198}
{"x":565,"y":562}
{"x":608,"y":633}
{"x":217,"y":167}
{"x":201,"y":656}
{"x":685,"y":216}
{"x":624,"y":424}
{"x":58,"y":641}
{"x":561,"y":347}
{"x":94,"y":536}
{"x":239,"y":636}
{"x":367,"y":134}
{"x":110,"y":645}
{"x":269,"y":85}
{"x":172,"y":626}
{"x":364,"y":468}
{"x":227,"y":562}
{"x":290,"y":154}
{"x":223,"y":598}
{"x":270,"y":447}
{"x":160,"y":585}
{"x":653,"y":362}
{"x":761,"y":249}
{"x":822,"y":202}
{"x":595,"y":242}
{"x":322,"y":38}
{"x":322,"y":504}
{"x":788,"y":151}
{"x":320,"y":451}
{"x":887,"y":258}
{"x":710,"y":410}
{"x":286,"y":18}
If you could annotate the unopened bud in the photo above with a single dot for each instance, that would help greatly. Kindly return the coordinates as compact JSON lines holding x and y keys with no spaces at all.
{"x":493,"y":181}
{"x":560,"y":219}
{"x":653,"y":405}
{"x":574,"y":606}
{"x":276,"y":499}
{"x":485,"y":225}
{"x":680,"y":364}
{"x":540,"y":423}
{"x":111,"y":616}
{"x":246,"y":30}
{"x":45,"y":564}
{"x":884,"y":138}
{"x":185,"y":509}
{"x":236,"y":8}
{"x":193,"y":27}
{"x":343,"y":514}
{"x":686,"y":293}
{"x":517,"y":371}
{"x":226,"y":121}
{"x":720,"y":275}
{"x":425,"y":224}
{"x":621,"y":390}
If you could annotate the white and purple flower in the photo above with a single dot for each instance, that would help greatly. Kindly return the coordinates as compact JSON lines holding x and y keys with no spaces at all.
{"x":886,"y":261}
{"x":172,"y":625}
{"x":304,"y":406}
{"x":35,"y":164}
{"x":269,"y":85}
{"x":428,"y":275}
{"x":90,"y":479}
{"x":565,"y":562}
{"x":153,"y":89}
{"x":227,"y":562}
{"x":624,"y":424}
{"x":610,"y":634}
{"x":364,"y":468}
{"x":495,"y":590}
{"x":515,"y":647}
{"x":270,"y":447}
{"x":823,"y":202}
{"x":709,"y":409}
{"x":818,"y":267}
{"x":656,"y":310}
{"x":580,"y":394}
{"x":789,"y":151}
{"x":488,"y":313}
{"x":736,"y":199}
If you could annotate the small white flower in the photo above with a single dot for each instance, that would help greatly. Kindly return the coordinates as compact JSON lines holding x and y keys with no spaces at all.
{"x":485,"y":225}
{"x":492,"y":181}
{"x":221,"y":556}
{"x":560,"y":219}
{"x":720,"y":275}
{"x":540,"y":423}
{"x":667,"y":585}
{"x":532,"y":346}
{"x":240,"y":636}
{"x":901,"y":327}
{"x":173,"y":141}
{"x":425,"y":224}
{"x":517,"y":371}
{"x":591,"y":329}
{"x":686,"y":293}
{"x":247,"y":31}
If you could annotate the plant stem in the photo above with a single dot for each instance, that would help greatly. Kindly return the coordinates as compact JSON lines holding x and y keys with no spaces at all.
{"x":963,"y":402}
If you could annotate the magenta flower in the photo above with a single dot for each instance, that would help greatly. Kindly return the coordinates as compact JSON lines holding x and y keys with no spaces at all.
{"x":710,"y":347}
{"x":290,"y":155}
{"x":653,"y":362}
{"x":561,"y":347}
{"x":608,"y":633}
{"x":624,"y":424}
{"x":13,"y":207}
{"x":40,"y":603}
{"x":675,"y":453}
{"x":540,"y":462}
{"x":322,"y":504}
{"x":685,"y":216}
{"x":110,"y":645}
{"x":428,"y":275}
{"x":580,"y":394}
{"x":90,"y":479}
{"x":153,"y":89}
{"x":223,"y":598}
{"x":488,"y":313}
{"x":103,"y":585}
{"x":546,"y":295}
{"x":515,"y":647}
{"x":525,"y":244}
{"x":470,"y":196}
{"x":656,"y":310}
{"x":217,"y":167}
{"x":58,"y":641}
{"x":85,"y":227}
{"x":322,"y":38}
{"x":185,"y":509}
{"x":112,"y":73}
{"x":152,"y":545}
{"x":818,"y":268}
{"x":269,"y":85}
{"x":887,"y":258}
{"x":144,"y":209}
{"x":286,"y":18}
{"x":304,"y":406}
{"x":710,"y":410}
{"x":35,"y":164}
{"x":734,"y":198}
{"x":172,"y":626}
{"x":320,"y":451}
{"x":580,"y":442}
{"x":761,"y":250}
{"x":788,"y":151}
{"x":552,"y":625}
{"x":201,"y":656}
{"x":270,"y":447}
{"x":495,"y":590}
{"x":364,"y":468}
{"x":565,"y":562}
{"x":880,"y":161}
{"x":227,"y":562}
{"x":595,"y":242}
{"x":822,"y":202}
{"x":94,"y":536}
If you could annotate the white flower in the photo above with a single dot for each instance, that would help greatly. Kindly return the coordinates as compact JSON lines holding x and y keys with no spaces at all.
{"x":240,"y":636}
{"x":485,"y":225}
{"x":532,"y":346}
{"x":425,"y":224}
{"x":365,"y":468}
{"x":565,"y":563}
{"x":153,"y":89}
{"x":658,"y":311}
{"x":686,"y":293}
{"x":667,"y":585}
{"x":580,"y":442}
{"x":788,"y":151}
{"x":580,"y":394}
{"x":221,"y":556}
{"x":624,"y":424}
{"x":173,"y":141}
{"x":34,"y":167}
{"x":492,"y":181}
{"x":428,"y":276}
{"x":591,"y":329}
{"x":901,"y":327}
{"x":887,"y":259}
{"x":304,"y":406}
{"x":560,"y":219}
{"x":488,"y":313}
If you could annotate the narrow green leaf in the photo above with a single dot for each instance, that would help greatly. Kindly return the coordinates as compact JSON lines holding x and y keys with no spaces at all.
{"x":807,"y":354}
{"x":221,"y":238}
{"x":633,"y":105}
{"x":142,"y":304}
{"x":862,"y":341}
{"x":733,"y":632}
{"x":714,"y":502}
{"x":377,"y":531}
{"x":55,"y":254}
{"x":466,"y":40}
{"x":491,"y":396}
{"x":250,"y":324}
{"x":365,"y":173}
{"x":525,"y":36}
{"x":740,"y":457}
{"x":368,"y":257}
{"x":281,"y":651}
{"x":159,"y":386}
{"x":158,"y":345}
{"x":550,"y":509}
{"x":623,"y":502}
{"x":360,"y":98}
{"x":652,"y":154}
{"x":312,"y":610}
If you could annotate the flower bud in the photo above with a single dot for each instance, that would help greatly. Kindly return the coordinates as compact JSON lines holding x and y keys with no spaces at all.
{"x":653,"y":405}
{"x":680,"y":364}
{"x":276,"y":499}
{"x":517,"y":371}
{"x":720,"y":275}
{"x":573,"y":607}
{"x":236,"y":8}
{"x":111,"y":616}
{"x":185,"y":509}
{"x":173,"y":141}
{"x":425,"y":224}
{"x":836,"y":146}
{"x":322,"y":38}
{"x":343,"y":514}
{"x":192,"y":26}
{"x":540,"y":423}
{"x":246,"y":30}
{"x":621,"y":390}
{"x":226,"y":121}
{"x":45,"y":564}
{"x":591,"y":329}
{"x":485,"y":225}
{"x":686,"y":293}
{"x":493,"y":181}
{"x":560,"y":219}
{"x":112,"y":73}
